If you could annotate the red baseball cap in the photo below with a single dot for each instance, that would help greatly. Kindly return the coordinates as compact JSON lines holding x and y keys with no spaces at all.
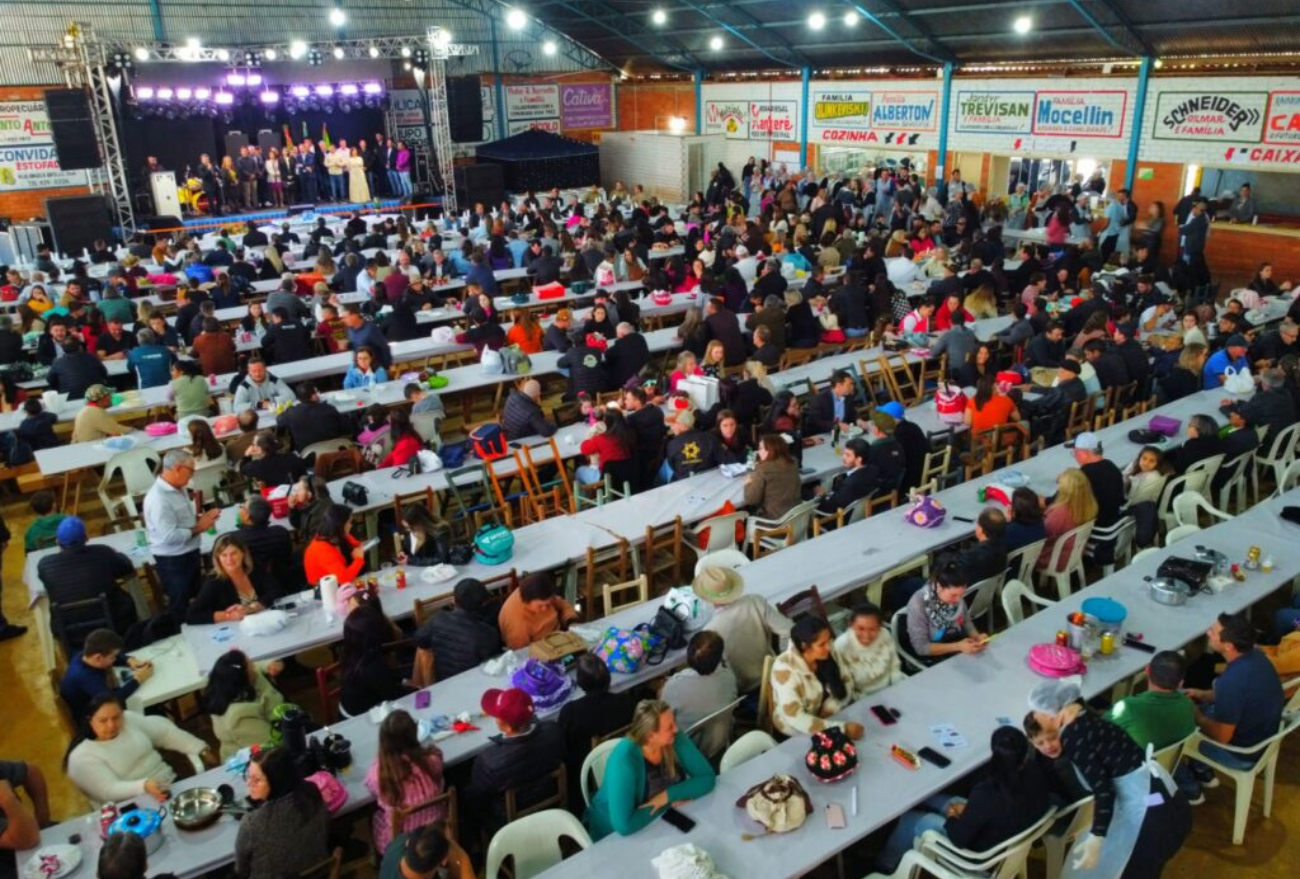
{"x":512,"y":707}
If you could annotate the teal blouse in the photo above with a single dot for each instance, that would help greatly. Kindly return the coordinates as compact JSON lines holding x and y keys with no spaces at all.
{"x":614,"y":808}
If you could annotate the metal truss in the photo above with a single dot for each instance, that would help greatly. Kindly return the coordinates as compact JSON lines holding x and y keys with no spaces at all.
{"x":439,"y":123}
{"x":664,"y":47}
{"x":773,"y":46}
{"x":390,"y":48}
{"x":939,"y":53}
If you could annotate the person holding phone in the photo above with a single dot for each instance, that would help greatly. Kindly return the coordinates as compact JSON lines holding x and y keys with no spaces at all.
{"x":655,"y":767}
{"x":938,"y":621}
{"x":333,"y":549}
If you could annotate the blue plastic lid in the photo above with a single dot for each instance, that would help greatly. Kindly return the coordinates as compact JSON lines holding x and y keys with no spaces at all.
{"x":1107,"y":610}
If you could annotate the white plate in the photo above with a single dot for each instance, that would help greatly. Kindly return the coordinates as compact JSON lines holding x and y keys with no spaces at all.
{"x":64,"y":859}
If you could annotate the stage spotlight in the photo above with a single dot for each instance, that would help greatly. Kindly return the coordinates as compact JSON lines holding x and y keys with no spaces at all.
{"x":349,"y":89}
{"x":850,"y":18}
{"x":406,"y":51}
{"x":1023,"y":25}
{"x":373,"y":88}
{"x":141,"y":53}
{"x":324,"y":90}
{"x":314,"y":58}
{"x":224,"y":99}
{"x":184,"y":94}
{"x":165,"y":94}
{"x":252,"y":59}
{"x":271,"y":55}
{"x":300,"y":91}
{"x":254,"y":79}
{"x":549,"y":47}
{"x":236,"y":79}
{"x":202,"y":94}
{"x":297,"y":49}
{"x":421,"y":59}
{"x":338,"y":53}
{"x":659,"y":17}
{"x":406,"y":65}
{"x":144,"y":93}
{"x":715,"y":43}
{"x":516,"y":19}
{"x":223,"y":55}
{"x":374,"y":51}
{"x":817,"y":21}
{"x":338,"y":17}
{"x":270,"y":97}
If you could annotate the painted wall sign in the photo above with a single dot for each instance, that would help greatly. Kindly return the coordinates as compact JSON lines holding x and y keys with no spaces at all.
{"x":1213,"y":116}
{"x":986,"y":112}
{"x":587,"y":105}
{"x":35,"y":166}
{"x":23,"y":123}
{"x":730,"y":118}
{"x":905,"y":111}
{"x":841,"y":109}
{"x":515,"y":126}
{"x":774,"y":120}
{"x":540,"y":101}
{"x":1080,"y":113}
{"x":1283,"y":125}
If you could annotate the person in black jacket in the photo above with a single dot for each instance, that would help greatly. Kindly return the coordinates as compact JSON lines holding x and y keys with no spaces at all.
{"x":690,"y":451}
{"x":76,"y":370}
{"x":851,"y":306}
{"x":49,"y":347}
{"x":1112,"y":371}
{"x":312,"y":421}
{"x":586,"y":365}
{"x":1135,"y":358}
{"x":268,"y":465}
{"x":522,"y":758}
{"x":270,"y":546}
{"x":987,"y":556}
{"x":851,"y":486}
{"x":556,"y":337}
{"x":37,"y":427}
{"x":81,"y":570}
{"x":368,"y":680}
{"x":627,"y":356}
{"x":543,"y":266}
{"x":721,"y":324}
{"x":464,"y":635}
{"x":597,"y":714}
{"x":286,"y":340}
{"x":1271,"y":407}
{"x":235,"y":588}
{"x":522,"y":414}
{"x":832,"y":406}
{"x":647,"y":422}
{"x":1202,"y":442}
{"x":1047,"y":349}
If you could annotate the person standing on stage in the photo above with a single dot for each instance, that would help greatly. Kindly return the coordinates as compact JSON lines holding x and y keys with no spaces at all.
{"x":394,"y":182}
{"x":304,"y":168}
{"x":246,"y":166}
{"x":336,"y":162}
{"x":275,"y":174}
{"x":404,"y":169}
{"x":377,"y":166}
{"x":211,"y":180}
{"x":229,"y":178}
{"x":358,"y":188}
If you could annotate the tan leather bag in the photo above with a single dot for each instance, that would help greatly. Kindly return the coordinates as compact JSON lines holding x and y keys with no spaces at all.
{"x":556,"y":646}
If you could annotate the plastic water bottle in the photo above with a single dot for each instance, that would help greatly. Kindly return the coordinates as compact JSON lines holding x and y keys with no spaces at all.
{"x":141,"y":539}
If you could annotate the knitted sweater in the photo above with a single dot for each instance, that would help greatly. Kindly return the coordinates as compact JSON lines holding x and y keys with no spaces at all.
{"x":117,"y":769}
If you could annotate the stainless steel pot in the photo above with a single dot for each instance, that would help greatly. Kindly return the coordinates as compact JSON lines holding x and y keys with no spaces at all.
{"x":200,"y":807}
{"x":1172,"y":593}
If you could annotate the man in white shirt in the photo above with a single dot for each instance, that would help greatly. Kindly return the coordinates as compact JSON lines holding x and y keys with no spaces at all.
{"x":746,"y":265}
{"x":1158,"y":319}
{"x":902,"y":271}
{"x":175,"y":530}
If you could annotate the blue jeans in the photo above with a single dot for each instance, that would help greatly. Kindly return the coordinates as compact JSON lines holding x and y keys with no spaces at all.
{"x":856,"y":332}
{"x":394,"y":183}
{"x":930,"y":816}
{"x":1191,"y":774}
{"x":1286,"y":620}
{"x":404,"y":177}
{"x":338,"y":187}
{"x":179,"y":575}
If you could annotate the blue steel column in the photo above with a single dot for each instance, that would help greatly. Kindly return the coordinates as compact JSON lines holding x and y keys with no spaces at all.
{"x":699,"y":102}
{"x":942,"y":171}
{"x":805,"y":77}
{"x":1135,"y":131}
{"x":496,"y":80}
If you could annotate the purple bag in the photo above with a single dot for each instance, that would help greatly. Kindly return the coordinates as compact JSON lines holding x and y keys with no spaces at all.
{"x":1164,"y":425}
{"x":547,"y":684}
{"x":926,"y":512}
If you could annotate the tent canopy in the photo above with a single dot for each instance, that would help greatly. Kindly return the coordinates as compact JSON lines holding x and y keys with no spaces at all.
{"x":534,"y":145}
{"x":537,"y":160}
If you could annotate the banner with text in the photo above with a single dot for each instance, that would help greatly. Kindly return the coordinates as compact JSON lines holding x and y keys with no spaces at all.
{"x":994,"y":112}
{"x":1214,"y":116}
{"x":1283,"y":118}
{"x":1080,"y":113}
{"x":730,"y":118}
{"x":885,"y":117}
{"x":514,"y":127}
{"x":35,"y":166}
{"x":532,"y":102}
{"x":23,"y":123}
{"x":588,"y":105}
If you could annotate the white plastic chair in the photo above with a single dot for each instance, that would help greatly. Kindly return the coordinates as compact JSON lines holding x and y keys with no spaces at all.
{"x":209,"y":478}
{"x":1055,"y":844}
{"x":1236,"y":474}
{"x":1014,"y":593}
{"x":747,"y":747}
{"x":1279,"y":455}
{"x":533,"y":843}
{"x":722,"y":532}
{"x":723,"y":558}
{"x":1173,"y":487}
{"x":725,"y":711}
{"x":138,"y":469}
{"x":1069,"y":549}
{"x":1143,"y":553}
{"x":338,"y":444}
{"x":795,"y":524}
{"x":1189,"y":505}
{"x":1169,"y":755}
{"x":593,"y":768}
{"x":1244,"y":779}
{"x":936,"y":855}
{"x":1181,"y":532}
{"x":1290,"y":479}
{"x":1209,"y":466}
{"x":1022,"y":562}
{"x":981,"y":598}
{"x":426,"y":425}
{"x":1120,"y":537}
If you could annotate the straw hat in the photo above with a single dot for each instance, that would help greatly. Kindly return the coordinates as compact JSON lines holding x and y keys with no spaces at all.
{"x":718,"y":585}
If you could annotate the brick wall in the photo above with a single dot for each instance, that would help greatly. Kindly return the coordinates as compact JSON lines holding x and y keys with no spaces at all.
{"x":649,"y":106}
{"x":26,"y":204}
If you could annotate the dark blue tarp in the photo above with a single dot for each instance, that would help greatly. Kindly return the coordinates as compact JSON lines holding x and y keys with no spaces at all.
{"x":538,"y":160}
{"x":534,"y":145}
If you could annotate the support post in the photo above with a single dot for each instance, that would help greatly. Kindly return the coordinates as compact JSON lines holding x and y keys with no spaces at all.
{"x":699,"y":102}
{"x":498,"y":86}
{"x":805,"y":76}
{"x":941,"y":171}
{"x":1135,"y":130}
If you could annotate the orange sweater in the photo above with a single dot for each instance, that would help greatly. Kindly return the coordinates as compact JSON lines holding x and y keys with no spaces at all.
{"x":527,"y":344}
{"x":521,"y":626}
{"x":323,"y":557}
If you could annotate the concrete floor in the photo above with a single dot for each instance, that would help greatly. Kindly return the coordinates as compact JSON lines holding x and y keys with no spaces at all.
{"x":30,"y":729}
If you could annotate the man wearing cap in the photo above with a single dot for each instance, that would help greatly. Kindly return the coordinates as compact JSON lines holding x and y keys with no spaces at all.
{"x":1140,"y":820}
{"x":1105,"y":478}
{"x":175,"y":530}
{"x":690,"y":451}
{"x":745,"y":622}
{"x":1233,"y":353}
{"x":82,"y":571}
{"x":1135,"y":357}
{"x":93,"y":422}
{"x":1067,"y":390}
{"x":522,"y":758}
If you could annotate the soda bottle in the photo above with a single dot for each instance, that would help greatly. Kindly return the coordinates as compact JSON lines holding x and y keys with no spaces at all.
{"x":401,"y":578}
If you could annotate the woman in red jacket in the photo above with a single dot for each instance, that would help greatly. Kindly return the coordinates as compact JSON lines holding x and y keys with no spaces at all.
{"x":406,"y":442}
{"x":333,"y":549}
{"x":611,"y":439}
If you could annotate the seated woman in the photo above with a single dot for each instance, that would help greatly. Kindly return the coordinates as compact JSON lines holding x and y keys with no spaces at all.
{"x":288,"y":830}
{"x":990,"y":408}
{"x":255,"y":321}
{"x":655,"y":766}
{"x":364,"y":371}
{"x":686,"y":366}
{"x":424,"y":538}
{"x":1185,"y":378}
{"x":598,"y":322}
{"x":808,"y":685}
{"x":773,"y":488}
{"x":525,"y":332}
{"x":114,"y":756}
{"x":938,"y":621}
{"x":407,"y":442}
{"x":333,"y":549}
{"x":368,"y":679}
{"x":866,"y":653}
{"x":983,"y":363}
{"x":786,"y":417}
{"x":715,"y":359}
{"x":403,"y":774}
{"x":235,"y":588}
{"x":242,"y":701}
{"x":733,"y":446}
{"x":1013,"y":797}
{"x":268,"y":465}
{"x":1074,"y":505}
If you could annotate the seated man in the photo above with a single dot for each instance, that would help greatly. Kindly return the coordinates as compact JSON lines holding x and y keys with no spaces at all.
{"x":534,"y":610}
{"x":690,"y":450}
{"x":521,"y":758}
{"x":421,"y":854}
{"x":746,"y":623}
{"x":854,"y":484}
{"x":270,"y":546}
{"x":1243,"y":709}
{"x":465,"y":634}
{"x":99,"y":668}
{"x":93,"y":421}
{"x":702,"y":688}
{"x":80,"y":571}
{"x":1160,"y":716}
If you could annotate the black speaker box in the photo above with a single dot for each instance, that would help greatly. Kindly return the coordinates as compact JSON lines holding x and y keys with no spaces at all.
{"x":268,"y":139}
{"x":161,"y":221}
{"x":465,"y":108}
{"x":234,"y":140}
{"x":72,"y":128}
{"x":77,"y":221}
{"x":479,"y":183}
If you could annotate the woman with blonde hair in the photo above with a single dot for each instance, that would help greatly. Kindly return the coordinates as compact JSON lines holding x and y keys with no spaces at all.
{"x":1074,"y":505}
{"x":235,"y":588}
{"x":653,"y":767}
{"x":897,"y":244}
{"x":691,"y":332}
{"x":1185,"y":377}
{"x":715,"y":359}
{"x":687,"y":365}
{"x":982,"y":302}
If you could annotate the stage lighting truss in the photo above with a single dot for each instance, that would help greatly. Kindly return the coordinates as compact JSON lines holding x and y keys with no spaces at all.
{"x":352,"y":50}
{"x":247,"y":88}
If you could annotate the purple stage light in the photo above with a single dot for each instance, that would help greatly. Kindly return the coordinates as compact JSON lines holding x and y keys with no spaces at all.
{"x":254,"y":79}
{"x":269,"y":97}
{"x":184,"y":94}
{"x":348,"y":89}
{"x":236,"y":79}
{"x":325,"y":90}
{"x":202,"y":94}
{"x":373,"y":88}
{"x":299,"y":91}
{"x":144,"y":93}
{"x":224,"y":99}
{"x":164,"y":94}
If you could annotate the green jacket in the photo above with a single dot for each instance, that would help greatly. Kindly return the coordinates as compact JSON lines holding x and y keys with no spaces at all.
{"x":42,"y":532}
{"x":1158,"y":719}
{"x":247,"y":723}
{"x":623,"y":790}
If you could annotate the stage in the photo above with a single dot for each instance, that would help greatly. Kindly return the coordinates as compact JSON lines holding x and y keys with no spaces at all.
{"x":273,"y":215}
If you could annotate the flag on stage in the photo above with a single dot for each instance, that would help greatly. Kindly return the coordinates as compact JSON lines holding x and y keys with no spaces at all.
{"x":325,"y":136}
{"x":288,"y":138}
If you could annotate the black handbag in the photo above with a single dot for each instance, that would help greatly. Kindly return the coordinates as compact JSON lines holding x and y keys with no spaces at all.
{"x":355,"y":493}
{"x":1193,"y":572}
{"x":667,"y":632}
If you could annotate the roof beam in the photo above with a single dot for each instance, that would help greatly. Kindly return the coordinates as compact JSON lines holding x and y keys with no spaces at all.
{"x":568,"y":47}
{"x":606,"y":17}
{"x":782,"y":53}
{"x":1086,"y":14}
{"x":1127,"y":25}
{"x":942,"y":55}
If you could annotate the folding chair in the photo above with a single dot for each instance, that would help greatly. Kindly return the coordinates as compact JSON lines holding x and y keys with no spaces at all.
{"x":903,"y":387}
{"x":661,"y":552}
{"x":556,"y":492}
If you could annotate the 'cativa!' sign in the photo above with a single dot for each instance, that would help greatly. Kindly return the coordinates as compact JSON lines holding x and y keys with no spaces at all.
{"x":1219,"y":116}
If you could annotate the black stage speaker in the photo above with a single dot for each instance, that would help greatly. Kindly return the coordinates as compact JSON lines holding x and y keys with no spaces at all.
{"x":268,"y":139}
{"x":77,"y":221}
{"x":234,"y":140}
{"x":161,"y":221}
{"x":479,"y":183}
{"x":73,"y":129}
{"x":465,"y":108}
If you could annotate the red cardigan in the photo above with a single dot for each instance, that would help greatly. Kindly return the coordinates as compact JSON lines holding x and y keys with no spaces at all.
{"x":606,"y":447}
{"x":403,"y":451}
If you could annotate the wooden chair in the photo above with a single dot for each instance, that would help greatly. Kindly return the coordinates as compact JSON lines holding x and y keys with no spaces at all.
{"x":610,"y":565}
{"x":423,"y":496}
{"x":880,"y":502}
{"x":875,"y":380}
{"x":903,"y":387}
{"x":763,"y":712}
{"x":793,"y":357}
{"x":500,"y":587}
{"x":557,"y":493}
{"x":937,"y":465}
{"x":615,"y":593}
{"x":329,"y":868}
{"x":661,"y":552}
{"x":933,"y":371}
{"x":558,"y":800}
{"x":425,"y":608}
{"x":398,"y":817}
{"x":329,"y":687}
{"x":838,"y":519}
{"x":509,"y":487}
{"x":1080,"y":418}
{"x":803,"y":602}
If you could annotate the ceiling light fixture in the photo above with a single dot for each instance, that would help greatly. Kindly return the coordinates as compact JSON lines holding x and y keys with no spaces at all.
{"x":817,"y":21}
{"x":141,"y":53}
{"x":549,"y":47}
{"x":1023,"y":25}
{"x":516,"y":19}
{"x":374,"y":51}
{"x":338,"y":53}
{"x":715,"y":43}
{"x":850,"y":18}
{"x":270,"y":54}
{"x":338,"y":17}
{"x":659,"y":16}
{"x":297,"y":49}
